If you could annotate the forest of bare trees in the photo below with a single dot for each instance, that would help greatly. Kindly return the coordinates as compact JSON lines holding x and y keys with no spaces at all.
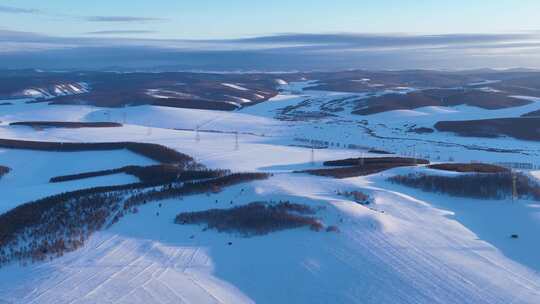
{"x":256,"y":218}
{"x":353,"y":167}
{"x":61,"y":223}
{"x":479,"y":185}
{"x":160,"y":174}
{"x":155,"y":152}
{"x":4,"y":170}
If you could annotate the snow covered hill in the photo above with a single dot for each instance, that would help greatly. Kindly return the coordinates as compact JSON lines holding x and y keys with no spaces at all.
{"x":406,"y":246}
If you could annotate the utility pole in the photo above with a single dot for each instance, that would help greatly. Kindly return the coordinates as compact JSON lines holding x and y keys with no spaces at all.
{"x":197,"y":135}
{"x":362,"y":159}
{"x":514,"y":187}
{"x":236,"y":145}
{"x":312,"y":154}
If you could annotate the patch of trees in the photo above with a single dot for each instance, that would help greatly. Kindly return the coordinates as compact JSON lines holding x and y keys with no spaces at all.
{"x":358,"y":196}
{"x":191,"y":90}
{"x":257,"y":218}
{"x":171,"y":173}
{"x":496,"y":186}
{"x":51,"y":226}
{"x":156,"y":152}
{"x":438,"y":97}
{"x":194,"y":104}
{"x":353,"y":167}
{"x":375,"y":161}
{"x":347,"y":172}
{"x":193,"y":187}
{"x":4,"y":170}
{"x":65,"y":124}
{"x":524,"y":85}
{"x":532,"y":114}
{"x":378,"y":151}
{"x":525,"y":128}
{"x":421,"y":130}
{"x":471,"y":167}
{"x":165,"y":173}
{"x":78,"y":176}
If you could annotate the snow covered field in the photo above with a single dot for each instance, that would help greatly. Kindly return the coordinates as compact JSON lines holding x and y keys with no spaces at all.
{"x":406,"y":247}
{"x":31,"y":171}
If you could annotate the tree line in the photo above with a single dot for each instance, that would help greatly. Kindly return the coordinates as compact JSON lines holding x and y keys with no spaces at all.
{"x":155,"y":152}
{"x":4,"y":170}
{"x":51,"y":226}
{"x":496,"y":186}
{"x":164,"y":173}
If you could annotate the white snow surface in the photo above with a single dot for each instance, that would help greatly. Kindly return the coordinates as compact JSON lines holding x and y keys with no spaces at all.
{"x":31,"y":171}
{"x":411,"y":253}
{"x":234,"y":86}
{"x":406,"y":247}
{"x":167,"y":94}
{"x":60,"y":89}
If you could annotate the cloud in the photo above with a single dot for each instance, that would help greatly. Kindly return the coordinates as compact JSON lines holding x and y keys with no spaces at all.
{"x":278,"y":52}
{"x":17,"y":10}
{"x":9,"y":34}
{"x":113,"y":19}
{"x":120,"y":32}
{"x":383,"y":39}
{"x":121,"y":19}
{"x":346,"y":40}
{"x":294,"y":43}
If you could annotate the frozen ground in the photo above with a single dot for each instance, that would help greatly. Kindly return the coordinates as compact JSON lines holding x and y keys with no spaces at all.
{"x":407,"y":247}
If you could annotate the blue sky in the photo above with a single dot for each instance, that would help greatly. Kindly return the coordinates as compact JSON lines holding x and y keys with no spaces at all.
{"x":273,"y":35}
{"x":203,"y":19}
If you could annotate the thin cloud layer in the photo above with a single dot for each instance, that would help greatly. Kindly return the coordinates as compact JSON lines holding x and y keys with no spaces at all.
{"x":279,"y":52}
{"x":291,"y":42}
{"x":111,"y":19}
{"x":17,"y":10}
{"x":384,"y":40}
{"x":122,"y":19}
{"x":120,"y":32}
